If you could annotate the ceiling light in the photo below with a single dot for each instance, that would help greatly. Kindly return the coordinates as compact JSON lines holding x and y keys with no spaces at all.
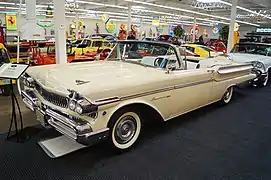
{"x":185,"y":10}
{"x":7,"y":3}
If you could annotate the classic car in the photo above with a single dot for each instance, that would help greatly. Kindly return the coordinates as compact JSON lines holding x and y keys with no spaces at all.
{"x":217,"y":46}
{"x":110,"y":99}
{"x":89,"y":45}
{"x":259,"y":54}
{"x":44,"y":54}
{"x":201,"y":50}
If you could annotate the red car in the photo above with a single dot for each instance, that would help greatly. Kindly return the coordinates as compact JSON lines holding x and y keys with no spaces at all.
{"x":217,"y":46}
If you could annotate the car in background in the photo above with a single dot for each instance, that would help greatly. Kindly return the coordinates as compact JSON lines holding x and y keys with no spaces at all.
{"x":106,"y":36}
{"x":89,"y":45}
{"x":259,"y":54}
{"x":169,"y":39}
{"x":202,"y":51}
{"x":217,"y":46}
{"x":149,"y":39}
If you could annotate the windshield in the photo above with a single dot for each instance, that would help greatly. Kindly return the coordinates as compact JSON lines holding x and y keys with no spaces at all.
{"x":97,"y":44}
{"x":145,"y":53}
{"x":86,"y":42}
{"x":259,"y":49}
{"x":206,"y":48}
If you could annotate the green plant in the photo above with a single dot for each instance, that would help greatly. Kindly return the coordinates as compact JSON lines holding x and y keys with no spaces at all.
{"x":224,"y":33}
{"x":178,"y":31}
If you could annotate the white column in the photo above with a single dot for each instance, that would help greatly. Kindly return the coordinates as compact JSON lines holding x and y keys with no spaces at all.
{"x":129,"y":17}
{"x":18,"y":32}
{"x":194,"y":30}
{"x":60,"y":31}
{"x":76,"y":25}
{"x":231,"y":28}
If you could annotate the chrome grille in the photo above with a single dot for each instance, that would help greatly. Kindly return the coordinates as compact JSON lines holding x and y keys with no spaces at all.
{"x":55,"y":99}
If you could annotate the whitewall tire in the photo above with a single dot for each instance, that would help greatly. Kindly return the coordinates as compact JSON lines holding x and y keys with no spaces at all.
{"x":125,"y":128}
{"x":227,"y":96}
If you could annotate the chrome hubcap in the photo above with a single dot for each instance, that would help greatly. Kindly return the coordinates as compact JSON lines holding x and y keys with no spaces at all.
{"x":125,"y":129}
{"x":227,"y":95}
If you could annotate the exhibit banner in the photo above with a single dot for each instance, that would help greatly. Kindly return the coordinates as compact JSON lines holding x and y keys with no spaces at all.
{"x":155,"y":21}
{"x":11,"y":21}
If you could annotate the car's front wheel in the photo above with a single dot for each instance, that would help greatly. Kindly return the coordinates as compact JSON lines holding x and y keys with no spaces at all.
{"x":125,"y":127}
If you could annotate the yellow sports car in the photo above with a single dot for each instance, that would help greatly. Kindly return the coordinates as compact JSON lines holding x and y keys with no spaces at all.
{"x":201,"y":50}
{"x":89,"y":45}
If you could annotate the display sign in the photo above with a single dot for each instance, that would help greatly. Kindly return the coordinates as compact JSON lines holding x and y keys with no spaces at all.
{"x":196,"y":30}
{"x":11,"y":21}
{"x":216,"y":29}
{"x":263,"y":30}
{"x":12,"y":71}
{"x":45,"y":22}
{"x":155,"y":21}
{"x":111,"y":27}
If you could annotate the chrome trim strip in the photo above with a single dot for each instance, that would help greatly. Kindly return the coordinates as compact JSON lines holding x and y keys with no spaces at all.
{"x":115,"y":99}
{"x":61,"y":118}
{"x":62,"y":129}
{"x":193,"y":84}
{"x":96,"y":132}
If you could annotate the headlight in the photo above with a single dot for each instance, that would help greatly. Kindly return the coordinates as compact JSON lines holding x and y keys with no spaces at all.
{"x":79,"y":109}
{"x":72,"y":105}
{"x":81,"y":105}
{"x":259,"y":66}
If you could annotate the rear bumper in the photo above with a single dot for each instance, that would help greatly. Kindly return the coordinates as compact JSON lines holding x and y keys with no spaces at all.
{"x":74,"y":128}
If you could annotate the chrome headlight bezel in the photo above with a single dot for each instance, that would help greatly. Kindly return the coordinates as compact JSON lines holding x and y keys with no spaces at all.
{"x":80,"y":104}
{"x":259,"y":66}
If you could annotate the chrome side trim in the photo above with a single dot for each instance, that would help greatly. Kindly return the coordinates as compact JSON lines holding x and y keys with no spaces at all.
{"x":96,"y":132}
{"x":102,"y":102}
{"x":193,"y":84}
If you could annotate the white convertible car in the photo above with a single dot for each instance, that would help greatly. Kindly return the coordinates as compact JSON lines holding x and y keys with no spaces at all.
{"x":259,"y":54}
{"x":93,"y":101}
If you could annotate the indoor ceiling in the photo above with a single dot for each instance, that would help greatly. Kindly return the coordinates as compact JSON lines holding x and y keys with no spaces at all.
{"x":207,"y":12}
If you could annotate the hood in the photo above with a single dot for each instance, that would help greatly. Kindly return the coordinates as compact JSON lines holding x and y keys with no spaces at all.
{"x":245,"y":58}
{"x":95,"y":78}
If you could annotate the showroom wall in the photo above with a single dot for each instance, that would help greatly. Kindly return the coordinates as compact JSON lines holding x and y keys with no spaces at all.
{"x":91,"y":25}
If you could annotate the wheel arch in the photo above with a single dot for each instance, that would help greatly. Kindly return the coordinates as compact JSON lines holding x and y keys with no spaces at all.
{"x":142,"y":106}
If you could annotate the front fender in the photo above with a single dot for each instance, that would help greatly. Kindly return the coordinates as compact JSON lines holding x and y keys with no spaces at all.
{"x":131,"y":102}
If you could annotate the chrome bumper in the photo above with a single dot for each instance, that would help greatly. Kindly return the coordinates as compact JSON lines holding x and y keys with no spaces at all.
{"x":74,"y":128}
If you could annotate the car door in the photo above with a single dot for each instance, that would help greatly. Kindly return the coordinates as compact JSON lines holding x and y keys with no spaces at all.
{"x":193,"y":89}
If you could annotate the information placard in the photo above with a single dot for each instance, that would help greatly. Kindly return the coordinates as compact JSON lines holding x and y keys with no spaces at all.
{"x":12,"y":71}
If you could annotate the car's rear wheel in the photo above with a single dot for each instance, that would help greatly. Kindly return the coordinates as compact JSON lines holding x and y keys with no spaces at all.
{"x":125,"y":127}
{"x":227,"y":96}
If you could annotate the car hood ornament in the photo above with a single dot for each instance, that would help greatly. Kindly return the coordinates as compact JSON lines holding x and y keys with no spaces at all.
{"x":80,"y":82}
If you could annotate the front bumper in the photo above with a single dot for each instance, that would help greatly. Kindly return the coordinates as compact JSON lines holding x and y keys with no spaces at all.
{"x":74,"y":128}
